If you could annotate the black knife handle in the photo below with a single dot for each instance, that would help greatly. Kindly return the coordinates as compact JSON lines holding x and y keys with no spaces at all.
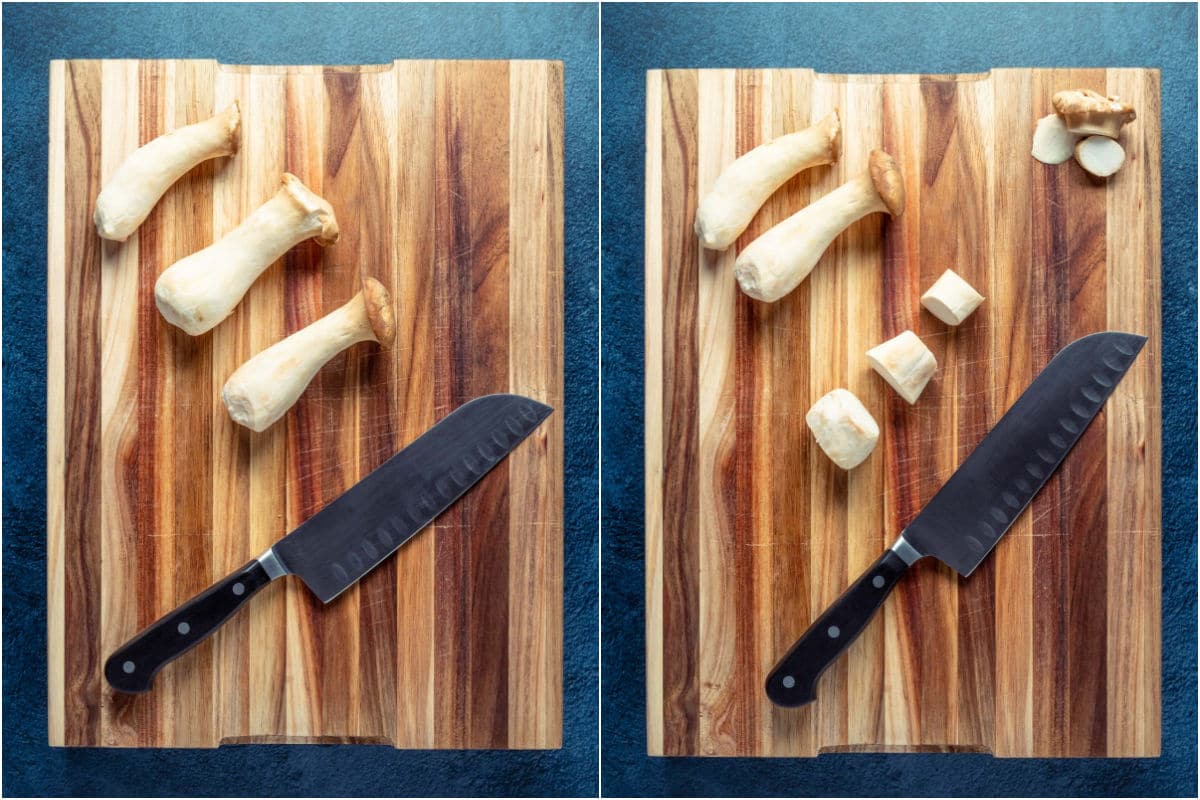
{"x":793,"y":681}
{"x":132,"y":667}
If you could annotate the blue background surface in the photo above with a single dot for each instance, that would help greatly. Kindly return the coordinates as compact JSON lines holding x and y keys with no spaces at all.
{"x":911,"y":39}
{"x":265,"y":34}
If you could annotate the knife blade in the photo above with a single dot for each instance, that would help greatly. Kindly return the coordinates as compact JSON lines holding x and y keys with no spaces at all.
{"x":351,"y":535}
{"x":962,"y":523}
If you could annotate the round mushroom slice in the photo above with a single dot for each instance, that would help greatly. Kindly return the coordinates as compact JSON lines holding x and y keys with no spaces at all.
{"x":1100,"y":155}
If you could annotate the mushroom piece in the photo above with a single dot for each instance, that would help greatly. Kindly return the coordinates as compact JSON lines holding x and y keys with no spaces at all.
{"x":905,"y":363}
{"x":1086,"y":112}
{"x":1100,"y":155}
{"x":265,"y":387}
{"x":843,"y":427}
{"x":197,"y":292}
{"x":776,"y":262}
{"x":951,"y":299}
{"x":745,"y":185}
{"x":146,"y":174}
{"x":1052,"y":142}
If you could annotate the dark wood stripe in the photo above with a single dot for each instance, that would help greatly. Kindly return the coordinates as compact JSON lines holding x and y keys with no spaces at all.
{"x":900,"y":430}
{"x":471,"y":298}
{"x":81,"y":517}
{"x":1085,"y":479}
{"x":792,"y":444}
{"x":191,"y":205}
{"x":1050,"y":298}
{"x":934,"y":586}
{"x":306,"y":428}
{"x":737,"y":468}
{"x":152,"y":483}
{"x":482,"y":207}
{"x":453,"y":308}
{"x":378,"y":407}
{"x":338,"y":381}
{"x":681,"y":531}
{"x":972,"y":398}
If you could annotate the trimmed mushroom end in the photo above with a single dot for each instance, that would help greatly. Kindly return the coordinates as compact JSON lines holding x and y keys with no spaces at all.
{"x":905,"y":363}
{"x":1100,"y":155}
{"x":242,"y":409}
{"x":831,"y":126}
{"x":1091,"y":113}
{"x":231,"y":118}
{"x":113,"y":230}
{"x":888,"y":180}
{"x":1052,"y":142}
{"x":379,"y":311}
{"x":951,"y":299}
{"x":844,"y":429}
{"x":315,"y":207}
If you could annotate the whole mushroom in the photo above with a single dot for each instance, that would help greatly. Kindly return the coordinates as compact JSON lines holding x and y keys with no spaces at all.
{"x":776,"y":262}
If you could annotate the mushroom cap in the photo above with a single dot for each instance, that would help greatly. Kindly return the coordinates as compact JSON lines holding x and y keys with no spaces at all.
{"x":831,"y":126}
{"x":1086,"y":111}
{"x":314,"y":205}
{"x":233,"y":122}
{"x":888,"y":180}
{"x":379,"y":310}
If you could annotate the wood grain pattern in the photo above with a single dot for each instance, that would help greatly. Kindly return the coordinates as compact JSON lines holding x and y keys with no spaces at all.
{"x":1051,"y":648}
{"x":447,"y":181}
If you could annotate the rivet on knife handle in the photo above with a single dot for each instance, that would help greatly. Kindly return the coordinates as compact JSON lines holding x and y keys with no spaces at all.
{"x":793,"y":681}
{"x":132,"y":668}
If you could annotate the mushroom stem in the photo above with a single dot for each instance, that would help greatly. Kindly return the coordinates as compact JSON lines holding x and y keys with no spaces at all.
{"x":905,"y":363}
{"x":951,"y":299}
{"x":745,"y":185}
{"x":843,"y":428}
{"x":146,"y":174}
{"x":265,"y":387}
{"x":197,"y":292}
{"x":776,"y":262}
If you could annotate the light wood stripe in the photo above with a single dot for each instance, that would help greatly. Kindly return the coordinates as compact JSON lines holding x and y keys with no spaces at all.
{"x":653,"y":416}
{"x":122,"y":577}
{"x":827,"y":484}
{"x":307,"y":427}
{"x":231,"y":442}
{"x":1134,"y":542}
{"x":56,"y":423}
{"x":900,"y":442}
{"x":413,"y":259}
{"x":862,"y":265}
{"x":788,"y":108}
{"x":536,"y":265}
{"x":1026,"y":657}
{"x":1008,"y":286}
{"x":264,"y":146}
{"x":378,"y":624}
{"x":716,"y":394}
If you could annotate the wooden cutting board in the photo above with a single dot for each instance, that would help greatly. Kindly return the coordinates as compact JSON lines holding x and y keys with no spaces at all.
{"x":446,"y":178}
{"x":1051,"y":648}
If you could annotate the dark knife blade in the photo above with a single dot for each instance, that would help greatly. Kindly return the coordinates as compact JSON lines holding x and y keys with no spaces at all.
{"x":990,"y":489}
{"x":980,"y":502}
{"x":350,"y":536}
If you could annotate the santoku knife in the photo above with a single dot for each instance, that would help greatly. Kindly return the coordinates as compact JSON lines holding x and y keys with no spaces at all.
{"x":349,"y":537}
{"x":982,"y":499}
